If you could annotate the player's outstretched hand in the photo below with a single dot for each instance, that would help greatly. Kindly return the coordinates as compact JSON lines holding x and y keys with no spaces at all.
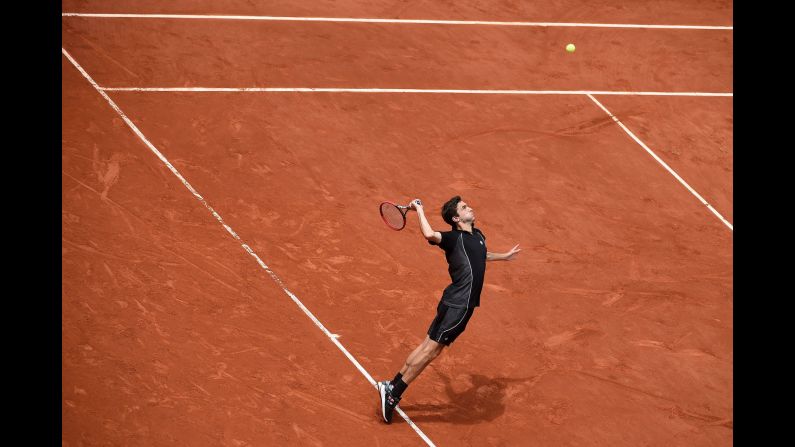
{"x":512,"y":252}
{"x":415,"y":204}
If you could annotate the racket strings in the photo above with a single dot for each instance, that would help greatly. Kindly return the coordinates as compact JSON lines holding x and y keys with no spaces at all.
{"x":392,"y":216}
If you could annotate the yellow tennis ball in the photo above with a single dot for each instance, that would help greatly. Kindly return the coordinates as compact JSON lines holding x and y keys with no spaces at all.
{"x":570,"y":48}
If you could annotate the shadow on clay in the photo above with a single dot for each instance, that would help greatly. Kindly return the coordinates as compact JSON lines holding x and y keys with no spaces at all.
{"x":483,"y":401}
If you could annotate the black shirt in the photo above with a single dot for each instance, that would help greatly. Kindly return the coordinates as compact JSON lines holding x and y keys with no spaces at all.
{"x":466,"y":263}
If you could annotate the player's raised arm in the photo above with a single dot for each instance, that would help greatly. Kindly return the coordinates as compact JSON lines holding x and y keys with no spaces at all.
{"x":425,"y":227}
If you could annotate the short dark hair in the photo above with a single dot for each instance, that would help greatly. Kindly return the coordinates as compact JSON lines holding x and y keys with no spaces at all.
{"x":450,"y":210}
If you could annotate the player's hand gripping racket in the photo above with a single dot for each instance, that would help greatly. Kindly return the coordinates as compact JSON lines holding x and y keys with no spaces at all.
{"x":395,"y":215}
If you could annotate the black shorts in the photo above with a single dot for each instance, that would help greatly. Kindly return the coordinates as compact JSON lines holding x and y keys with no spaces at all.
{"x":449,"y":323}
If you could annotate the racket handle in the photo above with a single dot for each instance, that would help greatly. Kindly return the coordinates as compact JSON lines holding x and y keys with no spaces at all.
{"x":406,"y":207}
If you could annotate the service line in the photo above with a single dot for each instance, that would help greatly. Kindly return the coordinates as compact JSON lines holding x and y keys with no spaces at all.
{"x":405,"y":90}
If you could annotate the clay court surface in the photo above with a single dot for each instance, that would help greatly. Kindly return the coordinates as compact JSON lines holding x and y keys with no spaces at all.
{"x":612,"y":327}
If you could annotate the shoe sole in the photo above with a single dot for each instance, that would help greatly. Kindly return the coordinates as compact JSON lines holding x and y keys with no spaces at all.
{"x":381,"y":392}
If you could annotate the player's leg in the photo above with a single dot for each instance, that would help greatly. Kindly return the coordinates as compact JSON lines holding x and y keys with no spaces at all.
{"x":446,"y":326}
{"x":391,"y":392}
{"x":412,"y":357}
{"x":420,"y":358}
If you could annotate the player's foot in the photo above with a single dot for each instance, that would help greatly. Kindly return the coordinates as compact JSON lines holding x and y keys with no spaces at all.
{"x":388,"y":402}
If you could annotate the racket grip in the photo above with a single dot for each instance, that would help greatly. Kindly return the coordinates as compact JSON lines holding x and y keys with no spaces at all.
{"x":408,"y":207}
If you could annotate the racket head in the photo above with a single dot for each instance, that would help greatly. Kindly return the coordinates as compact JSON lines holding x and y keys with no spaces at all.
{"x":394,"y":216}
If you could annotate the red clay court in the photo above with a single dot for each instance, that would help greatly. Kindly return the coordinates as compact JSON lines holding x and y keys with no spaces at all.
{"x":227,"y":279}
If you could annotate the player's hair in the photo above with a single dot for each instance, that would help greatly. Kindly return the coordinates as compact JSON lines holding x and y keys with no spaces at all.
{"x":450,"y":210}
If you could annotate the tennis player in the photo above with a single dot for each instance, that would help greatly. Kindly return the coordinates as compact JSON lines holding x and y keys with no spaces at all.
{"x":465,"y":250}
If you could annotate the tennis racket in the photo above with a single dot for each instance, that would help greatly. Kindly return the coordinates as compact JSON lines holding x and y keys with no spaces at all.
{"x":394,"y":215}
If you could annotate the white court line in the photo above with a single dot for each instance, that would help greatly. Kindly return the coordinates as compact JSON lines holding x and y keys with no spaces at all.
{"x":659,"y":160}
{"x":403,"y":21}
{"x":332,"y":337}
{"x":403,"y":90}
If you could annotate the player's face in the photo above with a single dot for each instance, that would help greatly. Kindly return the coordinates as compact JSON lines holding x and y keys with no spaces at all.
{"x":465,"y":213}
